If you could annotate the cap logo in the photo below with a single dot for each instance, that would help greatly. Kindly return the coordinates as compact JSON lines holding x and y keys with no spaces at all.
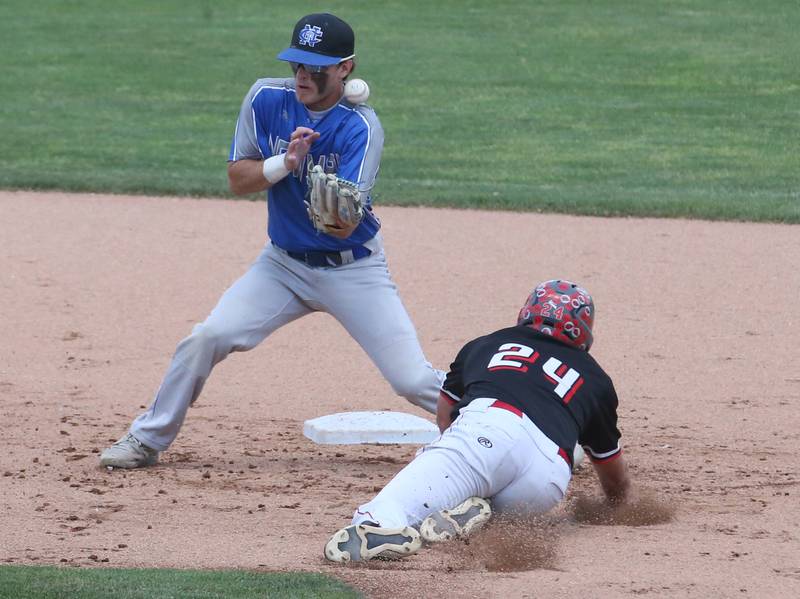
{"x":310,"y":36}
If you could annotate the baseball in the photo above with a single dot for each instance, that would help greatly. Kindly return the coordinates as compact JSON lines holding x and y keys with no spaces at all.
{"x":356,"y":91}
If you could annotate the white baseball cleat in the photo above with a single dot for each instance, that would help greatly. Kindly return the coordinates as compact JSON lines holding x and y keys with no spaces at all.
{"x":129,"y":452}
{"x":366,"y":541}
{"x":458,"y":522}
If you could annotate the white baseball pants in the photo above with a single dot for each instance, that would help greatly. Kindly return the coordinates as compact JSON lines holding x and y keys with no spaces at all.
{"x":487,"y":452}
{"x":276,"y":290}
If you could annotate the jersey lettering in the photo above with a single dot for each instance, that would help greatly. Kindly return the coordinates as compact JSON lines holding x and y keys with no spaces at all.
{"x":515,"y":356}
{"x":277,"y":145}
{"x":328,"y":162}
{"x":524,"y":355}
{"x":566,"y":379}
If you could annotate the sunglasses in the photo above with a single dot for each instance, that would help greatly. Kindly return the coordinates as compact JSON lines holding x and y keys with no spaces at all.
{"x":312,"y":69}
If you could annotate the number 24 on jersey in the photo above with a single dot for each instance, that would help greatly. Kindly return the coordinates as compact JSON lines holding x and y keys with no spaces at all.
{"x":515,"y":356}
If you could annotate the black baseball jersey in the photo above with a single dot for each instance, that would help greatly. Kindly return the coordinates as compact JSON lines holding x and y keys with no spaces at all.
{"x":562,"y":389}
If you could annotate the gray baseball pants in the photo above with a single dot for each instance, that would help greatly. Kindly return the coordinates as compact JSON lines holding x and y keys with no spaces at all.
{"x":276,"y":290}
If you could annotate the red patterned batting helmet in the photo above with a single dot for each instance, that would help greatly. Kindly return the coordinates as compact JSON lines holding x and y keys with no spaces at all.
{"x":562,"y":310}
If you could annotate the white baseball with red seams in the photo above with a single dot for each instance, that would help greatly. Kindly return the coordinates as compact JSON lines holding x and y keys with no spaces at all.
{"x":356,"y":91}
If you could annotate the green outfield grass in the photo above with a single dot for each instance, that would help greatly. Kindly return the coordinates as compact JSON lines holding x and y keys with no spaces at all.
{"x":17,"y":582}
{"x":645,"y":107}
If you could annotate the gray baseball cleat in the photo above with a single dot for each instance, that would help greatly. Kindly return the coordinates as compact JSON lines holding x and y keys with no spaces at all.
{"x":458,"y":522}
{"x":366,"y":541}
{"x":129,"y":452}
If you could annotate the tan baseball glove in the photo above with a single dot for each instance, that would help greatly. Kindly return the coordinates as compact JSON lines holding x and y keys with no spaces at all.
{"x":333,"y":202}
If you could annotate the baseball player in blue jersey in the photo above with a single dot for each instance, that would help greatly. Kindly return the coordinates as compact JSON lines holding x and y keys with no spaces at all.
{"x":287,"y":128}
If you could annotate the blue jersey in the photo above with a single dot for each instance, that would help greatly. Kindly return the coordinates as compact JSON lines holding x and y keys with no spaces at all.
{"x":350,"y":145}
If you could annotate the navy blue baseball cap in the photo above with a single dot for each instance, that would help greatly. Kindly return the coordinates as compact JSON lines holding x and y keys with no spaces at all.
{"x":320,"y":40}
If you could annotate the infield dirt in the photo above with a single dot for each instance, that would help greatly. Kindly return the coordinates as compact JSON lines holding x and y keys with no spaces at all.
{"x":697,"y":323}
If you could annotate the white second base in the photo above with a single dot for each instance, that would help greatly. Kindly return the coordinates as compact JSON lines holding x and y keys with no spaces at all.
{"x":350,"y":428}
